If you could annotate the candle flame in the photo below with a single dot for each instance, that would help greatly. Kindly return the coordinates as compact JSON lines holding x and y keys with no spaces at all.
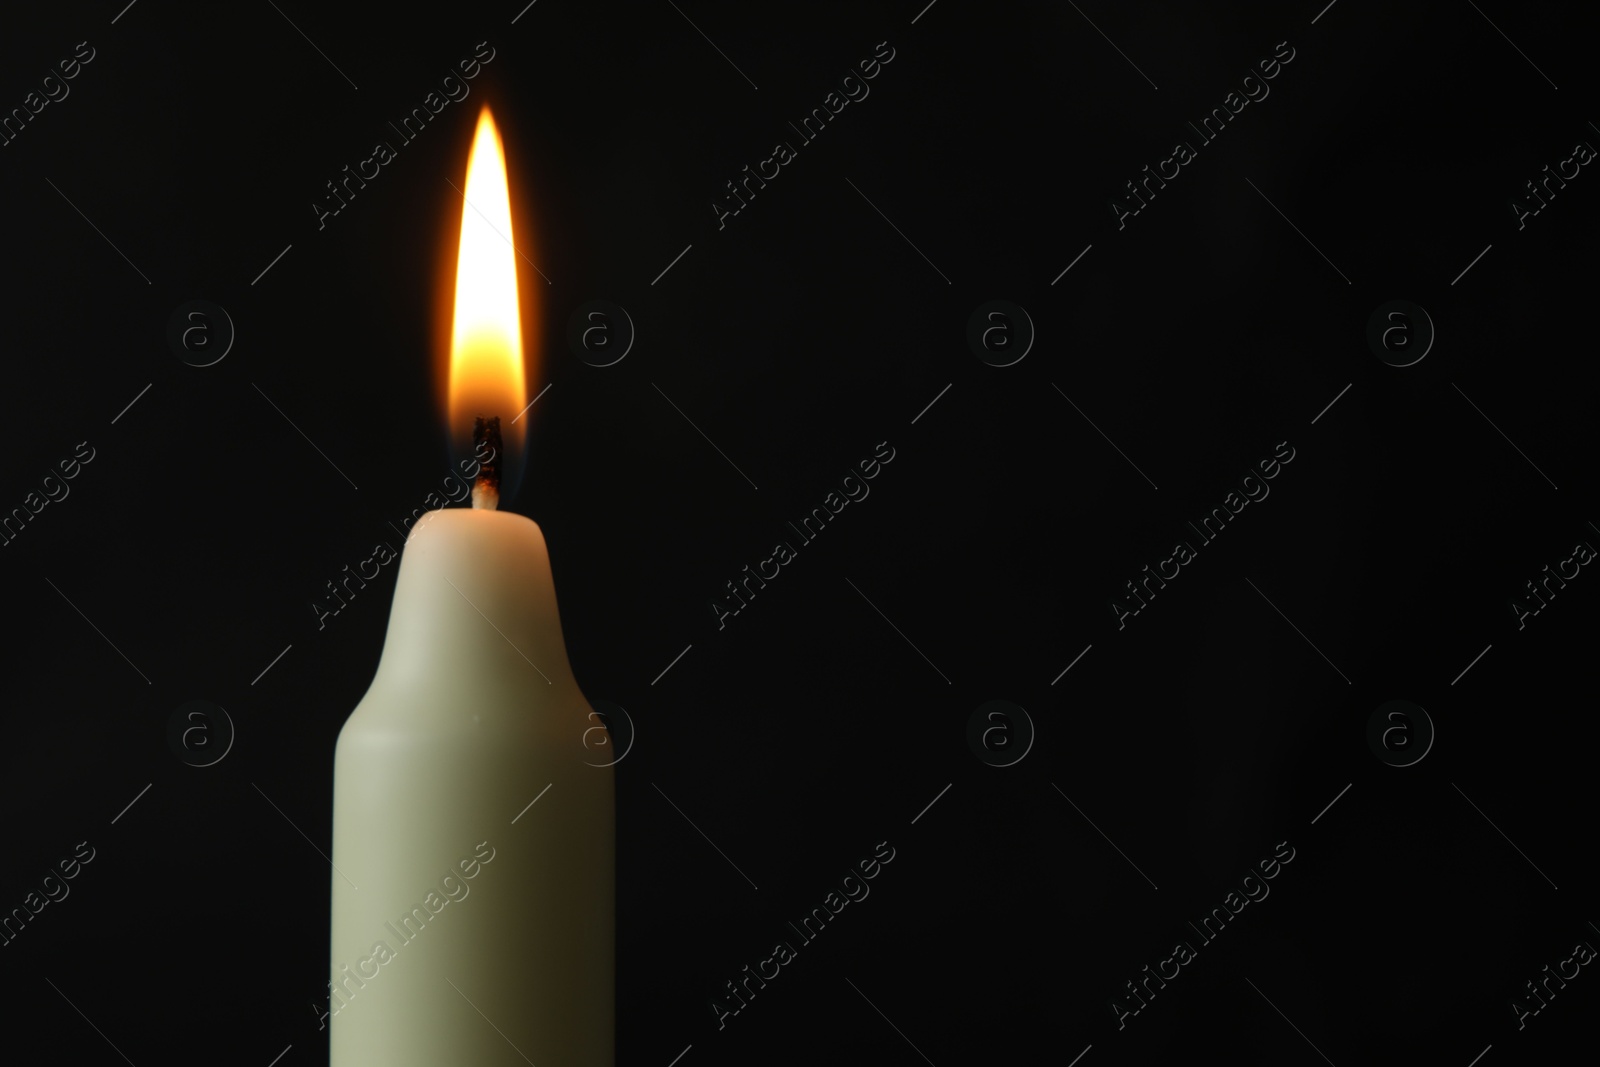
{"x":486,"y":375}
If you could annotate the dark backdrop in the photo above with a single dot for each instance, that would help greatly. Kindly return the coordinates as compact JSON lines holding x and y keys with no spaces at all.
{"x":1183,"y":345}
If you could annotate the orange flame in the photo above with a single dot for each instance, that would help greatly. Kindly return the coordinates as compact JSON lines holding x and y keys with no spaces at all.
{"x":486,"y":373}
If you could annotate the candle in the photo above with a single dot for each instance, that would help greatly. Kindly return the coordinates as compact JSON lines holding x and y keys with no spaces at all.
{"x":473,"y":846}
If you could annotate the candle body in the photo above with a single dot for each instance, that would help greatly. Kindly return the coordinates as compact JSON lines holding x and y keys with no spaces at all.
{"x":468,"y":927}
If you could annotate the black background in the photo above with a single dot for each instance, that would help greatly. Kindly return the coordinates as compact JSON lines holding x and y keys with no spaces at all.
{"x":797,"y":338}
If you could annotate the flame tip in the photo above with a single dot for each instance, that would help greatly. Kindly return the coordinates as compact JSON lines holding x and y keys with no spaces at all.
{"x":486,"y":371}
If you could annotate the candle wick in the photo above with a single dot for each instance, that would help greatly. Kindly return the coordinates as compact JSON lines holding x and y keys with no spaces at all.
{"x":486,"y":444}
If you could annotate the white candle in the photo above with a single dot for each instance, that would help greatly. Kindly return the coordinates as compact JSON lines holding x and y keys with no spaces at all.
{"x":473,"y":838}
{"x":473,"y":712}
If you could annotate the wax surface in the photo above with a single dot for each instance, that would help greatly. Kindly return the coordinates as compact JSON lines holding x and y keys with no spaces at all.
{"x":472,"y":713}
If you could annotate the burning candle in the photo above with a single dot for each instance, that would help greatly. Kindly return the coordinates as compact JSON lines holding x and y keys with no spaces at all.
{"x":473,"y":846}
